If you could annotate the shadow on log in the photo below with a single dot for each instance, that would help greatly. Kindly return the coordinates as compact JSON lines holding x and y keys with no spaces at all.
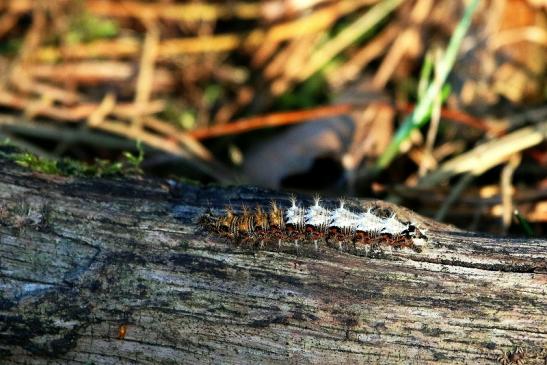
{"x":113,"y":271}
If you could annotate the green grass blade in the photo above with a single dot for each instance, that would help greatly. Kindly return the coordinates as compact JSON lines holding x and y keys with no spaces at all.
{"x":423,"y":108}
{"x":524,"y":224}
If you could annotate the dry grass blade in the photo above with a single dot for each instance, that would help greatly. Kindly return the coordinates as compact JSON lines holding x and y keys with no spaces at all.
{"x":124,"y":47}
{"x":507,"y":190}
{"x":79,"y":112}
{"x":487,"y":155}
{"x":339,"y":76}
{"x":44,"y":130}
{"x":360,"y":26}
{"x":146,"y":72}
{"x":95,"y":73}
{"x":178,"y":12}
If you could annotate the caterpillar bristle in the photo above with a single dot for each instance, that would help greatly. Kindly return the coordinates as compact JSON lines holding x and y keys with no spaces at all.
{"x":340,"y":228}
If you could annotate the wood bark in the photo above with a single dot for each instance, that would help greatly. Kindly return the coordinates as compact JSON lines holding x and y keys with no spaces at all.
{"x":114,"y":271}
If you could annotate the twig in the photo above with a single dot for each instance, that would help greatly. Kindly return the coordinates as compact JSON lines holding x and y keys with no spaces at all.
{"x":271,"y":120}
{"x":293,"y":117}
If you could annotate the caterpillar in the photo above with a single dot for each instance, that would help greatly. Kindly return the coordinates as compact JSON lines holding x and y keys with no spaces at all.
{"x":315,"y":225}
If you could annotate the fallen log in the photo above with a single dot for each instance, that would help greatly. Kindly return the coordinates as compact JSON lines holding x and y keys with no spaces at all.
{"x":117,"y":271}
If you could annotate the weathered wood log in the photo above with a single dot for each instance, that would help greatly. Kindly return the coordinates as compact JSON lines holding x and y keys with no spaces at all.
{"x":113,"y":271}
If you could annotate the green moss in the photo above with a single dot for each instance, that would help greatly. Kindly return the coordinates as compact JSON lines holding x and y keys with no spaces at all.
{"x":130,"y":165}
{"x":36,"y":163}
{"x":134,"y":161}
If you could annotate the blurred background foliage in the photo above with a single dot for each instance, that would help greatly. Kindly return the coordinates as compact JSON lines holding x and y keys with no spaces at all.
{"x":355,"y":97}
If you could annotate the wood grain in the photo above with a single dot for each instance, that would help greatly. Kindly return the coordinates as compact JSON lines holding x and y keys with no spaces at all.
{"x":113,"y":271}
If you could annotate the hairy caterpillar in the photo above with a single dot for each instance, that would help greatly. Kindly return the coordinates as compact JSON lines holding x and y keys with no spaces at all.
{"x":315,"y":225}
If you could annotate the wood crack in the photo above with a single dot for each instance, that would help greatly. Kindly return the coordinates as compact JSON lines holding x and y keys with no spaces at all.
{"x":126,"y":251}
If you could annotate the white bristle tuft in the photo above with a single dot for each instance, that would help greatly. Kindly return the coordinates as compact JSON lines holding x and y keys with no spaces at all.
{"x":317,"y":216}
{"x":317,"y":200}
{"x":393,"y":226}
{"x":343,"y":218}
{"x":293,"y":201}
{"x":369,"y":222}
{"x":295,"y":215}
